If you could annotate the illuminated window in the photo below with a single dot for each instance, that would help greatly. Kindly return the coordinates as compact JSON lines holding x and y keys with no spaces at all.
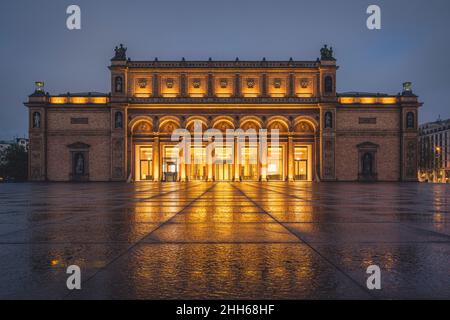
{"x":146,"y":161}
{"x":275,"y":163}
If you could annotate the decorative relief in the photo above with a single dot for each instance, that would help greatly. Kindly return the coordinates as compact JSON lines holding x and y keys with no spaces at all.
{"x":170,"y":83}
{"x":143,"y":127}
{"x":223,"y":126}
{"x":251,"y":83}
{"x":305,"y":83}
{"x":169,"y":127}
{"x":196,"y":83}
{"x":142,"y":83}
{"x":277,"y":83}
{"x":249,"y":125}
{"x":223,"y":83}
{"x":304,"y":127}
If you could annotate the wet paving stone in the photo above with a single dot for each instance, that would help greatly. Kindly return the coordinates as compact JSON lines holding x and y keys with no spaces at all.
{"x":246,"y":240}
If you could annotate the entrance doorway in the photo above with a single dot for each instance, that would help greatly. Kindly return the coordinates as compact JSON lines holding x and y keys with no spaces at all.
{"x":301,"y":165}
{"x":198,"y":170}
{"x":145,"y":163}
{"x":275,"y":163}
{"x":249,"y":161}
{"x":170,"y":164}
{"x":223,"y":163}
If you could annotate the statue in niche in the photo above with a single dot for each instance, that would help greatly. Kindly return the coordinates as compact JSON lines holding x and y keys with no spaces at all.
{"x":367,"y":164}
{"x":118,"y":120}
{"x":79,"y":164}
{"x":328,"y":120}
{"x":118,"y":84}
{"x":36,"y":120}
{"x":410,"y":120}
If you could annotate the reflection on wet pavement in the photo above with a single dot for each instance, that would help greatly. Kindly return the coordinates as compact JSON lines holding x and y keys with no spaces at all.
{"x":224,"y":240}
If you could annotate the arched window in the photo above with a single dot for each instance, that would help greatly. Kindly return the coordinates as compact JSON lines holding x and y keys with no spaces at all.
{"x":118,"y":84}
{"x":118,"y":120}
{"x":36,"y":120}
{"x":328,"y":120}
{"x":328,"y":84}
{"x":410,"y":122}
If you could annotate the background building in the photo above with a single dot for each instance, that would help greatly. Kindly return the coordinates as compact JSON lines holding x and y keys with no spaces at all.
{"x":4,"y":144}
{"x":126,"y":135}
{"x":434,"y":141}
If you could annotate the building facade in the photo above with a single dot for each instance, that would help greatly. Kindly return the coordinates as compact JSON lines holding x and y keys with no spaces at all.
{"x":434,"y":146}
{"x":5,"y":144}
{"x":128,"y":133}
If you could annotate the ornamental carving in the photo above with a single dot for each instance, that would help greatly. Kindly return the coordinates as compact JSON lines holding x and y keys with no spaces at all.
{"x":304,"y":127}
{"x":251,"y":83}
{"x":143,"y":127}
{"x":223,"y":83}
{"x":277,"y":83}
{"x":304,"y":83}
{"x":196,"y":83}
{"x":142,"y":83}
{"x":170,"y":83}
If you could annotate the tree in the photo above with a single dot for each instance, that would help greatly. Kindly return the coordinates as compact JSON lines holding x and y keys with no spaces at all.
{"x":15,"y":164}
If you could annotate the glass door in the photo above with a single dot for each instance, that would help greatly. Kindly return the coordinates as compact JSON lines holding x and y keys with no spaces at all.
{"x":249,"y":161}
{"x":301,"y":163}
{"x":223,"y":163}
{"x":145,"y":163}
{"x":275,"y":163}
{"x":198,"y":164}
{"x":170,"y":164}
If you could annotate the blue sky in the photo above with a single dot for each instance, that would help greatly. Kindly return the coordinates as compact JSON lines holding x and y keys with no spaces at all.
{"x":36,"y":45}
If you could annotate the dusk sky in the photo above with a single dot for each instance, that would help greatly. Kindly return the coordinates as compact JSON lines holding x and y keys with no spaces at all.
{"x":412,"y":45}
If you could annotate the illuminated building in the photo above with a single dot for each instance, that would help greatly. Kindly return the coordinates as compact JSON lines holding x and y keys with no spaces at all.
{"x":126,"y":135}
{"x":434,"y":146}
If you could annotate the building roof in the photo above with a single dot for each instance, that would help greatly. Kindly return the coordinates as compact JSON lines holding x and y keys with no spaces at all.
{"x":362,"y":94}
{"x":84,"y":94}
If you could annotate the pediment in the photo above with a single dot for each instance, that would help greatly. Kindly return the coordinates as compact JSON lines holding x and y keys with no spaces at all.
{"x":78,"y":145}
{"x":367,"y":145}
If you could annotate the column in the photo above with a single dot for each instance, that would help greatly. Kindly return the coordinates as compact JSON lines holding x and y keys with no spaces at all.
{"x":264,"y":85}
{"x":156,"y":157}
{"x":210,"y":85}
{"x":290,"y":158}
{"x":155,"y":89}
{"x":183,"y":87}
{"x":237,"y":85}
{"x":209,"y":164}
{"x":291,"y":87}
{"x":263,"y":149}
{"x":182,"y":167}
{"x":236,"y":160}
